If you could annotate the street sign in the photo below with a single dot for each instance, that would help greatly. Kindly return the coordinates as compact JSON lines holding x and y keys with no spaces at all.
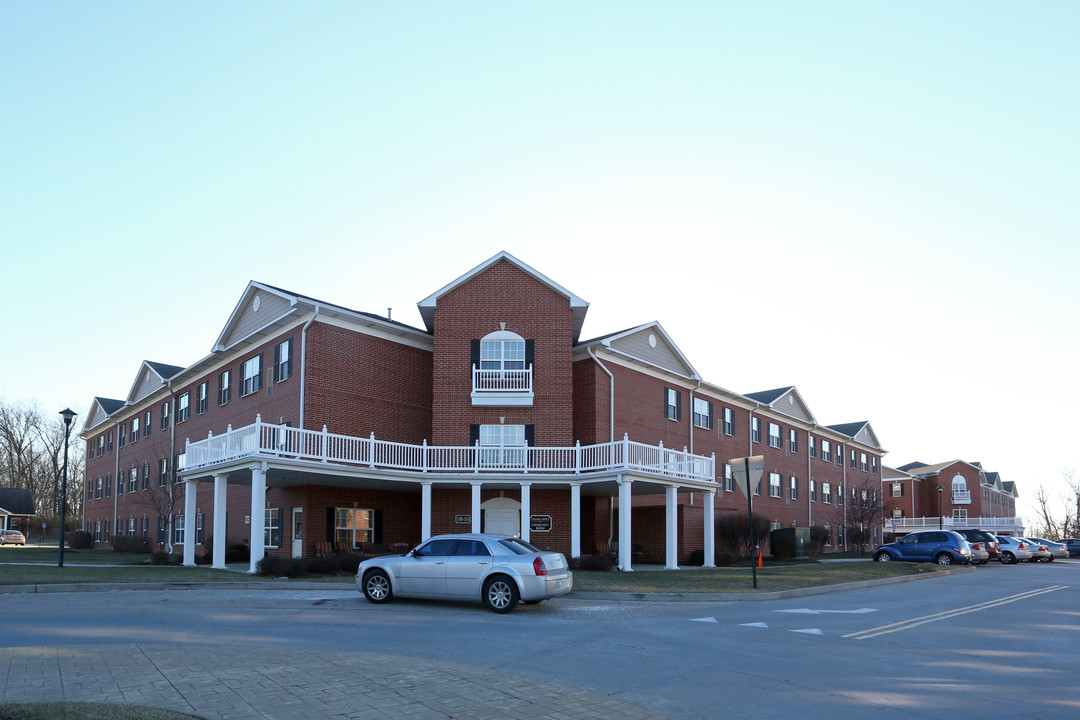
{"x":738,"y":470}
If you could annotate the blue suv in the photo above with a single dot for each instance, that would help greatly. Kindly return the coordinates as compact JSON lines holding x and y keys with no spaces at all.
{"x":943,"y":547}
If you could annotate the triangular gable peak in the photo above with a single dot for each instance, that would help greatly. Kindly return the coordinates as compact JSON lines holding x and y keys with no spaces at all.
{"x":861,"y":432}
{"x":148,"y":381}
{"x":578,"y":307}
{"x":651,"y":345}
{"x":100,"y":411}
{"x":939,"y":468}
{"x":889,"y":474}
{"x":260,"y":307}
{"x":786,"y":401}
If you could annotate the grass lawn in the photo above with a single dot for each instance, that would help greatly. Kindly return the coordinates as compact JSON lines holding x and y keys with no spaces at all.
{"x":47,"y":554}
{"x":84,"y":711}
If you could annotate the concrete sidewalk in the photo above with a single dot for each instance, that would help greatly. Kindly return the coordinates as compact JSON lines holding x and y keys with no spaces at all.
{"x":238,"y":683}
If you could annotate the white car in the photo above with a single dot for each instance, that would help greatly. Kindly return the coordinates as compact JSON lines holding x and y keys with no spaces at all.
{"x":1014,"y":549}
{"x":498,"y":570}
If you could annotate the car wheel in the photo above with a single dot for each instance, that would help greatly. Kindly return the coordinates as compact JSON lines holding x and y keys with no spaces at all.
{"x":500,"y":594}
{"x":883,"y":557}
{"x":1049,"y":559}
{"x":1007,"y":558}
{"x":944,"y":559}
{"x":377,"y":587}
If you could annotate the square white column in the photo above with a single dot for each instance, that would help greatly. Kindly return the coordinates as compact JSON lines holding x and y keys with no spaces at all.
{"x":258,"y":517}
{"x":710,"y":530}
{"x":221,"y":484}
{"x":672,"y":512}
{"x":476,"y":507}
{"x":189,"y":522}
{"x":425,"y":511}
{"x":575,"y":519}
{"x":526,"y":510}
{"x":624,"y":525}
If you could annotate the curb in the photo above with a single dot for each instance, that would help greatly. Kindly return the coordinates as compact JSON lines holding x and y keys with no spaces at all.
{"x":631,"y":597}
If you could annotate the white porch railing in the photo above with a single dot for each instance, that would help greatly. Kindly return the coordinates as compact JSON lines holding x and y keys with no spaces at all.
{"x":262,"y":438}
{"x":502,"y":381}
{"x":961,"y":497}
{"x":948,"y":522}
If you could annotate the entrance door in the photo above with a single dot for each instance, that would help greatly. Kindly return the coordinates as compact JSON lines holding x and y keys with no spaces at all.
{"x":297,"y":532}
{"x":502,"y":516}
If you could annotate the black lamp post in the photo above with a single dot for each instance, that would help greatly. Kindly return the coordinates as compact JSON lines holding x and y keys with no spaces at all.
{"x":68,"y":415}
{"x":940,"y":517}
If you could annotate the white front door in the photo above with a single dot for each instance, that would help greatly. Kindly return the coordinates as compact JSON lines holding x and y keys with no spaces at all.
{"x":298,"y":532}
{"x":502,"y":516}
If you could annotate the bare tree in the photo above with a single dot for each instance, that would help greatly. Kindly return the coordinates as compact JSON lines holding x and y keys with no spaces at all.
{"x":160,"y":501}
{"x":864,"y":510}
{"x":1058,"y":515}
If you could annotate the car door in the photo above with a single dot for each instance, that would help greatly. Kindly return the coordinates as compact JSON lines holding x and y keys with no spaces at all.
{"x":928,"y":545}
{"x":423,"y":572}
{"x":467,"y":568}
{"x":907,"y":546}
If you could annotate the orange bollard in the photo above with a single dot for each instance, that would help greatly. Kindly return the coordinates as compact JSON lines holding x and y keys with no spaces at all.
{"x":759,"y":559}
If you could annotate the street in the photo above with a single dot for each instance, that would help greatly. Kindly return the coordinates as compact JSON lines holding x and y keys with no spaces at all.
{"x":997,"y":642}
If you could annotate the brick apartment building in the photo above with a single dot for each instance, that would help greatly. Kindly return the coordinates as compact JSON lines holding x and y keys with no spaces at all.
{"x":310,"y":423}
{"x":953,"y":494}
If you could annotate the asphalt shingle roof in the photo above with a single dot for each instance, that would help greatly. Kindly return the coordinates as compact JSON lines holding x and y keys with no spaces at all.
{"x":17,"y":501}
{"x":767,"y":396}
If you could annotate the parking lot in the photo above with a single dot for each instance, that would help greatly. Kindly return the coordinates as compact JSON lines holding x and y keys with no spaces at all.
{"x":994,"y":642}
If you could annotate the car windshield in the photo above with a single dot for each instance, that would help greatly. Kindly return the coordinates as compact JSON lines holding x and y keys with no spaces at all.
{"x":518,"y":546}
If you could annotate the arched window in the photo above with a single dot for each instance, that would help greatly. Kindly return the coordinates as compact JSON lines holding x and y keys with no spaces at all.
{"x":502,"y":369}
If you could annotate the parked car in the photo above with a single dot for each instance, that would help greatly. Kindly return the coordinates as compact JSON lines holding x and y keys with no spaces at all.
{"x":1014,"y":550}
{"x":944,"y":547}
{"x":1057,"y":550}
{"x":1072,"y":545}
{"x":12,"y":537}
{"x":989,"y":542}
{"x":979,"y":554}
{"x":1039,"y":551}
{"x":498,"y":570}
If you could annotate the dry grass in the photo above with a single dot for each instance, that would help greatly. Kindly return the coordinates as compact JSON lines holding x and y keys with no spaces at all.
{"x":85,"y":711}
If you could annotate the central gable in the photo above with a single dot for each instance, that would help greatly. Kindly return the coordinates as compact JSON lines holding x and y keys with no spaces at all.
{"x":786,"y":401}
{"x":648,"y":344}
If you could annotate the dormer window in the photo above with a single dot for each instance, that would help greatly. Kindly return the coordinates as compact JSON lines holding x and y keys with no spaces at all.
{"x":502,"y":370}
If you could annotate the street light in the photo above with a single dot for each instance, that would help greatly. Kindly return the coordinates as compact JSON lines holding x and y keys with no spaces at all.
{"x":68,"y":414}
{"x":940,"y":517}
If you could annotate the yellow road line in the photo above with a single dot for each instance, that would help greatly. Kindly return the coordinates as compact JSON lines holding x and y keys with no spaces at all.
{"x":915,"y":622}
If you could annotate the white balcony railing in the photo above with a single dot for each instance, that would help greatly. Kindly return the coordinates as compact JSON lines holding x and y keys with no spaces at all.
{"x":961,"y":497}
{"x":265,"y":439}
{"x":948,"y":522}
{"x":502,"y":381}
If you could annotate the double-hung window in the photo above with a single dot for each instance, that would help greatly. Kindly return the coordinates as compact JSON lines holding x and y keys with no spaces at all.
{"x":122,"y":434}
{"x":200,"y":523}
{"x":252,"y":375}
{"x":774,"y":485}
{"x":179,"y":463}
{"x":283,"y":361}
{"x":729,"y":478}
{"x":101,"y":445}
{"x":178,"y":529}
{"x":826,"y":492}
{"x":502,"y":446}
{"x":873,"y":464}
{"x":813,"y":490}
{"x":852,"y":457}
{"x":755,"y":429}
{"x":163,"y":472}
{"x":793,"y":440}
{"x":133,"y":526}
{"x":703,"y":413}
{"x":183,"y":407}
{"x":134,"y":429}
{"x":672,"y":404}
{"x":108,"y":442}
{"x":165,"y":415}
{"x":202,"y":393}
{"x":133,"y":479}
{"x":826,"y":452}
{"x":812,"y":443}
{"x":272,"y":528}
{"x":839,"y":454}
{"x":774,"y":435}
{"x":352,"y":527}
{"x":793,"y":488}
{"x":224,"y":387}
{"x":862,"y":462}
{"x":897,"y":490}
{"x":146,"y":476}
{"x":729,"y":421}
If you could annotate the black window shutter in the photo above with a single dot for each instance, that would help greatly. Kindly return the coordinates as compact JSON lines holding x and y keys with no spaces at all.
{"x":530,"y":356}
{"x":331,"y":519}
{"x":710,"y":415}
{"x":260,"y":376}
{"x":377,"y":530}
{"x":678,"y":405}
{"x":530,"y":435}
{"x":665,"y":403}
{"x":277,"y":359}
{"x":474,"y":353}
{"x":474,"y":434}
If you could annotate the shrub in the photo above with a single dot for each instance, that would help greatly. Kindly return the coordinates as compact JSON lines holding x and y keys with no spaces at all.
{"x":207,"y":556}
{"x":696,"y":558}
{"x":598,"y":563}
{"x":80,"y":540}
{"x":733,"y":533}
{"x":129,"y":544}
{"x":237,"y":553}
{"x":160,"y":558}
{"x":302,"y":567}
{"x":818,"y":537}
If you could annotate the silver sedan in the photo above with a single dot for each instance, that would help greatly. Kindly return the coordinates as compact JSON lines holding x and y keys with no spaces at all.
{"x":498,"y":570}
{"x":1014,"y":549}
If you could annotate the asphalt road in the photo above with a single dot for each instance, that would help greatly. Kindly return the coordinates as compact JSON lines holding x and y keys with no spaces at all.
{"x":999,"y":642}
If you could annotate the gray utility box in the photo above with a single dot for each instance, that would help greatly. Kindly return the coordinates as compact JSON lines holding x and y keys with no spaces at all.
{"x":789,"y":542}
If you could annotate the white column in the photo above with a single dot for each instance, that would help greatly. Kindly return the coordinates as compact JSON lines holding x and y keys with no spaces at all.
{"x":221,"y":485}
{"x":710,"y":529}
{"x":425,"y":511}
{"x":575,"y":519}
{"x":476,"y":507}
{"x":258,"y":517}
{"x":526,"y":510}
{"x":189,"y":522}
{"x":672,"y":509}
{"x":624,"y":525}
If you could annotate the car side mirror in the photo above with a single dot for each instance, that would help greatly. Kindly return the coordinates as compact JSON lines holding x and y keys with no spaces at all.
{"x":416,"y":553}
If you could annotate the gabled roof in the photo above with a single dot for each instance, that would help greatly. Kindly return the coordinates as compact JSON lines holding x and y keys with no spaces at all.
{"x":893,"y":474}
{"x":16,"y":501}
{"x":859,"y":432}
{"x":578,"y":307}
{"x":648,"y":344}
{"x":1009,"y":486}
{"x":911,"y":465}
{"x":935,"y":468}
{"x":165,"y":371}
{"x":991,"y":478}
{"x":786,"y":401}
{"x":151,"y":376}
{"x":100,"y":411}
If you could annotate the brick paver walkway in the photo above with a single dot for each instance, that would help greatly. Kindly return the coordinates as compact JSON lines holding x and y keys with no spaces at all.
{"x":252,"y":682}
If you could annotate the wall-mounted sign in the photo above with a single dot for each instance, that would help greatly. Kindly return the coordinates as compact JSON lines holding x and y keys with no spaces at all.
{"x":540,"y":523}
{"x":463,"y":519}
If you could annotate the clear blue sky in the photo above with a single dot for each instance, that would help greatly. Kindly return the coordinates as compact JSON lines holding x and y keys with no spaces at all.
{"x":873,"y":202}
